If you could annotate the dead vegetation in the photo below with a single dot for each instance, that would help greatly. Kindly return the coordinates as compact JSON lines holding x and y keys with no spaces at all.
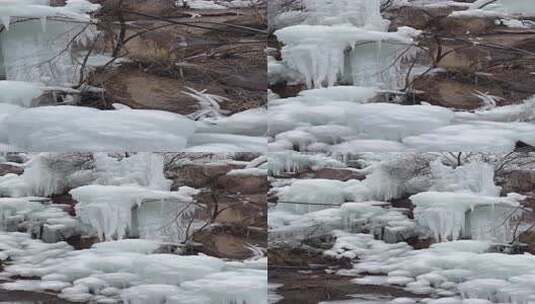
{"x":160,"y":49}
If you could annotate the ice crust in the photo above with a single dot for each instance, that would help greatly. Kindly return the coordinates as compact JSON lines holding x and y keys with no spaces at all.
{"x":458,"y":272}
{"x":128,"y":270}
{"x":64,"y":128}
{"x":118,"y":195}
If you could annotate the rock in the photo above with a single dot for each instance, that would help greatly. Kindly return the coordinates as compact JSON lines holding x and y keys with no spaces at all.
{"x":528,"y":237}
{"x":418,"y":17}
{"x":439,"y":90}
{"x":197,"y":175}
{"x":251,"y":213}
{"x":516,"y":248}
{"x":230,"y":241}
{"x":66,"y":201}
{"x":458,"y":90}
{"x":140,"y":90}
{"x":520,"y":181}
{"x":466,"y":26}
{"x":80,"y":242}
{"x":7,"y":169}
{"x":56,"y":233}
{"x":284,"y":90}
{"x":12,"y":223}
{"x":151,"y":7}
{"x":246,"y":210}
{"x":18,"y":158}
{"x":245,"y":184}
{"x":340,"y":174}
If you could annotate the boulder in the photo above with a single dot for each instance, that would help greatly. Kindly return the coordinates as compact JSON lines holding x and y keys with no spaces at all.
{"x":197,"y":175}
{"x":228,"y":241}
{"x":341,"y":174}
{"x":7,"y":169}
{"x":520,"y":181}
{"x":466,"y":26}
{"x":245,"y":184}
{"x":418,"y":17}
{"x":458,"y":90}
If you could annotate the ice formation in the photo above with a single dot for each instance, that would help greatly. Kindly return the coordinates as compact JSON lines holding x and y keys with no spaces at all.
{"x":451,"y":215}
{"x":314,"y":207}
{"x":347,"y":47}
{"x":39,"y":56}
{"x":64,"y":128}
{"x":389,"y":225}
{"x":30,"y":48}
{"x":129,"y":270}
{"x":19,"y":93}
{"x":44,"y":177}
{"x":346,"y":40}
{"x":119,"y":211}
{"x":119,"y":195}
{"x":451,"y":271}
{"x":476,"y":177}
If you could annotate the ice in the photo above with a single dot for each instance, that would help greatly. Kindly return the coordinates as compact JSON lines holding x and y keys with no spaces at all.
{"x":128,"y":245}
{"x":39,"y":8}
{"x":225,"y":143}
{"x":378,"y":121}
{"x":296,"y":222}
{"x":291,"y":162}
{"x":143,"y":169}
{"x":118,"y":211}
{"x":480,"y":136}
{"x":19,"y":93}
{"x":251,"y":122}
{"x":360,"y":13}
{"x":33,"y":50}
{"x":239,"y":286}
{"x":322,"y":191}
{"x":68,"y":128}
{"x":343,"y":41}
{"x":505,"y":6}
{"x":367,"y":145}
{"x":248,"y":172}
{"x":473,"y":177}
{"x":462,"y":267}
{"x":341,"y":93}
{"x":347,"y":45}
{"x":318,"y":52}
{"x":44,"y":176}
{"x":451,"y":215}
{"x":127,"y":270}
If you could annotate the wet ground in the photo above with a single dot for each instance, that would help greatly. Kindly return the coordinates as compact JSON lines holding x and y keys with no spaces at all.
{"x":25,"y":297}
{"x":315,"y":286}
